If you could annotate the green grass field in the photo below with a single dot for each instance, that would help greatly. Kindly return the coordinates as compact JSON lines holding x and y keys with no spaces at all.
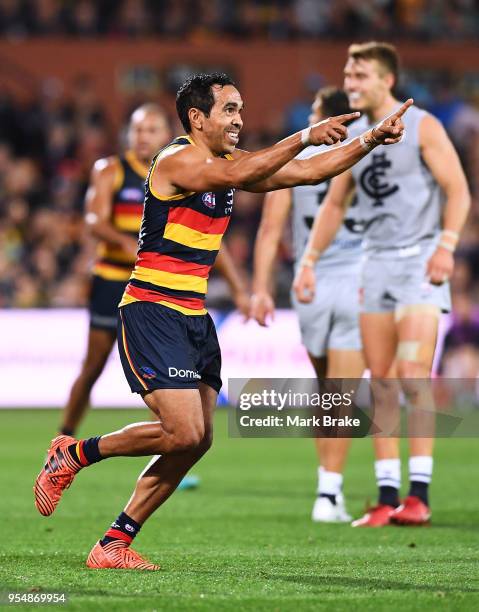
{"x":244,"y":540}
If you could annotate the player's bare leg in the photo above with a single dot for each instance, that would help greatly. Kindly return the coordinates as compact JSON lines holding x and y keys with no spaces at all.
{"x":100,"y":344}
{"x":379,"y":335}
{"x":163,"y":474}
{"x":180,"y":427}
{"x":339,"y":364}
{"x":332,"y":452}
{"x":156,"y":483}
{"x":181,"y":431}
{"x":417,"y":330}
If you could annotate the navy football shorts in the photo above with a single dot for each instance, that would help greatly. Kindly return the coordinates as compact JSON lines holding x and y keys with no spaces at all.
{"x":161,"y":348}
{"x":105,"y":295}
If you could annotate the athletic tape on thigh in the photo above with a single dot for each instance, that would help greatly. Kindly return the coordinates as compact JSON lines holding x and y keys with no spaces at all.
{"x":408,"y":350}
{"x":425,"y":309}
{"x":414,"y":350}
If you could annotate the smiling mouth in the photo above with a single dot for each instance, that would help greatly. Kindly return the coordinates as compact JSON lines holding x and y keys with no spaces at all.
{"x":233,"y":136}
{"x":354,"y":95}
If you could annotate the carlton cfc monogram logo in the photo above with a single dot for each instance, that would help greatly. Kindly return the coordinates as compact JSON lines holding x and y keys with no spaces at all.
{"x":209,"y":199}
{"x":374,"y":181}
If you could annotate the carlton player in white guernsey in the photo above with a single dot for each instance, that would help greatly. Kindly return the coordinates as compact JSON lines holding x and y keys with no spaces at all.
{"x":414,"y":200}
{"x":330,"y":325}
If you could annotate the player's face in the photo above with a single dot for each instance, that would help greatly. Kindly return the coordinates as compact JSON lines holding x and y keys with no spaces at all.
{"x":148,"y":133}
{"x":224,"y":124}
{"x":316,"y":112}
{"x":366,"y":84}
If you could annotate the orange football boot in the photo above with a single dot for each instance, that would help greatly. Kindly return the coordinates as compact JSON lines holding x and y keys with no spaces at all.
{"x":378,"y":516}
{"x":57,"y":475}
{"x":116,"y":555}
{"x":412,"y":511}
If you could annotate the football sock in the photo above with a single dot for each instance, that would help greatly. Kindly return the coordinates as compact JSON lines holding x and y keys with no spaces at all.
{"x":420,"y":474}
{"x":66,"y":431}
{"x":329,"y":484}
{"x":388,"y":478}
{"x":389,"y":496}
{"x":86,"y":452}
{"x":124,"y":529}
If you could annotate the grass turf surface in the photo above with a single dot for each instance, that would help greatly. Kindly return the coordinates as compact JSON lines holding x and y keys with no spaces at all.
{"x":244,"y":540}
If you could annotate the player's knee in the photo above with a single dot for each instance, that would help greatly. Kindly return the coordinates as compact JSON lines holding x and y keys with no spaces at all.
{"x":205,"y":444}
{"x":412,"y":369}
{"x":188,"y":440}
{"x":379,"y":372}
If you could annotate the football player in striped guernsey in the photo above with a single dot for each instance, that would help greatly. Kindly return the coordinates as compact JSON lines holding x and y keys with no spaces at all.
{"x":114,"y":209}
{"x":167,"y":340}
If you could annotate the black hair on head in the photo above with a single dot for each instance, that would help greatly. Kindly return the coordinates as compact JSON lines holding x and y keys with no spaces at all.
{"x":196,"y":92}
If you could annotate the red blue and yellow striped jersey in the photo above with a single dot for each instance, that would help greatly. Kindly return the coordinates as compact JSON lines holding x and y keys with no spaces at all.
{"x":113,"y":262}
{"x":179,"y":240}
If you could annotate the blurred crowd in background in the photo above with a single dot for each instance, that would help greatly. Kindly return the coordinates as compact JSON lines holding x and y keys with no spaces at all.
{"x":273,"y":19}
{"x":48,"y":145}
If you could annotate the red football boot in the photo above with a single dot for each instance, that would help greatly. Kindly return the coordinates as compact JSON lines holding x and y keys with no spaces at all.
{"x":116,"y":555}
{"x":57,"y":475}
{"x":378,"y":516}
{"x":411,"y":512}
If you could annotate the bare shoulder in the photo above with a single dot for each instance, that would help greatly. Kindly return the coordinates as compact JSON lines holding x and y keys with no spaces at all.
{"x":431,"y":130}
{"x":178,"y":156}
{"x":106,"y":165}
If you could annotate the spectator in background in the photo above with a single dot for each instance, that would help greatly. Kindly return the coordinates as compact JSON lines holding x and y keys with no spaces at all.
{"x":460,"y":357}
{"x":269,"y":19}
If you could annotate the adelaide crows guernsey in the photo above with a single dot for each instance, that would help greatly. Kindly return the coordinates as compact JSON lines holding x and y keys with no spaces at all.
{"x":114,"y":263}
{"x":179,"y":240}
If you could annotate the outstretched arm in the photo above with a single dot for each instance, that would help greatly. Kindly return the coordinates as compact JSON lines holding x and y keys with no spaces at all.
{"x":275,"y":212}
{"x":327,"y":164}
{"x":442,"y":160}
{"x":190,"y":169}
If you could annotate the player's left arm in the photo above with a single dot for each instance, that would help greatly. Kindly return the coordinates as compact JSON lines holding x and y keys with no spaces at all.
{"x":325,"y":165}
{"x":442,"y":160}
{"x":225,"y":265}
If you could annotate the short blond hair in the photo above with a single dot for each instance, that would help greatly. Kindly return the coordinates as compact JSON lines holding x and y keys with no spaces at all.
{"x":384,"y":53}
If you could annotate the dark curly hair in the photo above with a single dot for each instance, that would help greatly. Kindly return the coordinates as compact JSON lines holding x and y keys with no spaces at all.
{"x":196,"y":93}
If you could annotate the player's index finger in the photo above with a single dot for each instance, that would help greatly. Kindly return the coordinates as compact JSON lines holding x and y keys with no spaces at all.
{"x":347,"y":117}
{"x":400,"y":112}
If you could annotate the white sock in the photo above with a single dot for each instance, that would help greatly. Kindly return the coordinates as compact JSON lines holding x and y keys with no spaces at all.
{"x":420,"y":469}
{"x":388,"y":473}
{"x":329,"y":483}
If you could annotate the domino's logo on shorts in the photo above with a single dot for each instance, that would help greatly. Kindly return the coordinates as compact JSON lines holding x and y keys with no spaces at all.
{"x":179,"y":373}
{"x":209,"y":199}
{"x":148,"y":372}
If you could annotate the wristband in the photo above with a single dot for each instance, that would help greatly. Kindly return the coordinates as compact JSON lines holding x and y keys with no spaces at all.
{"x":445,"y":245}
{"x":305,"y":136}
{"x":367,"y":145}
{"x":450,"y":234}
{"x":312,"y":253}
{"x":91,"y":218}
{"x":307,"y":263}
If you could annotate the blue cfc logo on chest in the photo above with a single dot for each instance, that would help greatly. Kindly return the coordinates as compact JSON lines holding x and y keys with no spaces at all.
{"x":374,"y":181}
{"x":131,"y":194}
